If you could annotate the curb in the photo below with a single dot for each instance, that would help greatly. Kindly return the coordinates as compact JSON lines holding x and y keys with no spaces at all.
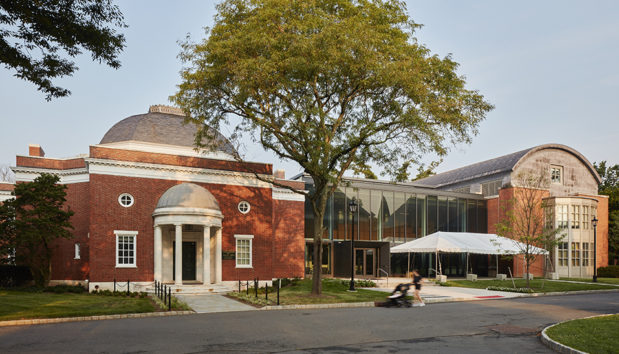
{"x":562,"y":348}
{"x":91,"y":318}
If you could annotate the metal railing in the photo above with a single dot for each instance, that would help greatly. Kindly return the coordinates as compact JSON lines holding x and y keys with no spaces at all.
{"x":386,"y":273}
{"x":164,"y":293}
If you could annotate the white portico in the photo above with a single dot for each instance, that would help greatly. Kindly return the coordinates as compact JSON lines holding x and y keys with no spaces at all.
{"x":188,"y":244}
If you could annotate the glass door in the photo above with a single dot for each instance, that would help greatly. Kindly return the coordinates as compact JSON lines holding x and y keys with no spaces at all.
{"x":365,"y":262}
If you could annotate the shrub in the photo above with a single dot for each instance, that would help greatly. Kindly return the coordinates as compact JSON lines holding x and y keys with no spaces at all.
{"x":611,"y":271}
{"x":513,"y":290}
{"x":61,"y":289}
{"x":362,"y":283}
{"x":12,"y":276}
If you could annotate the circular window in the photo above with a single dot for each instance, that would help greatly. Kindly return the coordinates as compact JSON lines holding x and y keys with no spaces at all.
{"x":244,"y":207}
{"x":125,"y":200}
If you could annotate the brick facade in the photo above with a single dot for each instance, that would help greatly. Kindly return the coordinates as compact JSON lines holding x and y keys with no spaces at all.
{"x":276,"y":225}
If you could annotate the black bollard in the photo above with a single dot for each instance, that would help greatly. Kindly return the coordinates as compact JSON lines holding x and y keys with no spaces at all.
{"x":165,"y":293}
{"x":256,"y":286}
{"x":170,"y":299}
{"x":239,"y":286}
{"x":247,"y":288}
{"x":279,"y":285}
{"x":114,"y":284}
{"x":266,"y":292}
{"x":128,"y":287}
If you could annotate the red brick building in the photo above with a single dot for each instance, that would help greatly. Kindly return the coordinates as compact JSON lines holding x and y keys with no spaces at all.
{"x":144,"y":189}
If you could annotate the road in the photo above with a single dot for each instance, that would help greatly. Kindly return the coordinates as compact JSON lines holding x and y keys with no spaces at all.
{"x":491,"y":326}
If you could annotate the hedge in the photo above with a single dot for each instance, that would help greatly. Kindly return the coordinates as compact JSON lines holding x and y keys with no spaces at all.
{"x":611,"y":271}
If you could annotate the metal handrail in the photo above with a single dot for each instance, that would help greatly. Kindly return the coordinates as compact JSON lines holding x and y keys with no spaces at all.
{"x":386,"y":273}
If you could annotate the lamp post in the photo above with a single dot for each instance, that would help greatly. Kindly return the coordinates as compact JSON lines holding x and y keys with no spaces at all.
{"x":352,"y":207}
{"x":594,"y":222}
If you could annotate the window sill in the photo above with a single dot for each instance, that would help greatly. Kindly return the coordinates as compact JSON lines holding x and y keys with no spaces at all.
{"x":126,"y":266}
{"x":244,"y":266}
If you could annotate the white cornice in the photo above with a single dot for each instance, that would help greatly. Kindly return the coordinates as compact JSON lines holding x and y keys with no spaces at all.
{"x":175,"y":173}
{"x":285,"y":194}
{"x":143,"y":146}
{"x":5,"y":195}
{"x":28,"y":174}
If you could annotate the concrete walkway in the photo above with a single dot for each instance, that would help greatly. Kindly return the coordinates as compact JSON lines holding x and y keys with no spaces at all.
{"x":214,"y":303}
{"x":433,"y":294}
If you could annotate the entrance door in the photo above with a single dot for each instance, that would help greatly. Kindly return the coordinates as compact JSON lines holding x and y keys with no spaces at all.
{"x":189,"y":261}
{"x":365,"y":262}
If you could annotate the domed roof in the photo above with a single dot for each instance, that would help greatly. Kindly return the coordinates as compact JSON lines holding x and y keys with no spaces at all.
{"x":188,"y":195}
{"x":161,"y":125}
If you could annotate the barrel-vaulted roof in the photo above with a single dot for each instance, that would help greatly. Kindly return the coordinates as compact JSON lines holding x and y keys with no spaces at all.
{"x":502,"y":164}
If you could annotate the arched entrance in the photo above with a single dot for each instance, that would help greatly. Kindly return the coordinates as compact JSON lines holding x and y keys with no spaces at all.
{"x":187,"y":215}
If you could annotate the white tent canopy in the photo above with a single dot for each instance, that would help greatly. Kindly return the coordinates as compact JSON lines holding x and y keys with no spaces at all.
{"x":465,"y":242}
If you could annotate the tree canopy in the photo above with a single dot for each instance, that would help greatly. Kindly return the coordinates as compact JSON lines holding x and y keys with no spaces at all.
{"x":35,"y":35}
{"x":30,"y":222}
{"x":335,"y":85}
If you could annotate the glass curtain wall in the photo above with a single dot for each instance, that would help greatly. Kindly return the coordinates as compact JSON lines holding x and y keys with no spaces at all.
{"x":396,"y":216}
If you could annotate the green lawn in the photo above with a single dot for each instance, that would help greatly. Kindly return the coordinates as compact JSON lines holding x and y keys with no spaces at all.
{"x":591,"y":335}
{"x":538,"y":285}
{"x":16,"y":305}
{"x":600,"y":280}
{"x":333,"y":291}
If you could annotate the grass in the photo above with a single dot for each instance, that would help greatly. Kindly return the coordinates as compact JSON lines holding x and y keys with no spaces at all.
{"x":592,"y":335}
{"x":537,"y":285}
{"x":600,"y":280}
{"x":299,"y":293}
{"x":16,"y":305}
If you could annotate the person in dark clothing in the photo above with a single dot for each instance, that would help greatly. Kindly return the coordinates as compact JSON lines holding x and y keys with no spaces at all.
{"x":417,"y":282}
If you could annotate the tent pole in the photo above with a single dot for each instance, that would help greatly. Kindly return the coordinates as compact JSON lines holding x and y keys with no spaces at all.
{"x":436,"y":263}
{"x":408,"y":266}
{"x":467,"y":264}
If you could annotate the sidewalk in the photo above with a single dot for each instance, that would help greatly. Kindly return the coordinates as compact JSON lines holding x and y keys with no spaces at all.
{"x":433,"y":294}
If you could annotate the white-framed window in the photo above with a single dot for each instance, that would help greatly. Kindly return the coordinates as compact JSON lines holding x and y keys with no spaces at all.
{"x":126,"y":248}
{"x":556,"y":174}
{"x":575,"y":254}
{"x":562,"y":216}
{"x":585,"y":217}
{"x":549,"y":221}
{"x":77,"y":251}
{"x":585,"y":254}
{"x":126,"y":200}
{"x":243,"y":250}
{"x":11,"y":256}
{"x":562,"y":254}
{"x":575,"y":216}
{"x":244,"y":207}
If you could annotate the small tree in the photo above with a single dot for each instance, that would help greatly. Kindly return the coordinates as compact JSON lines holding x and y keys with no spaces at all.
{"x":335,"y":85}
{"x":32,"y":221}
{"x":525,"y":218}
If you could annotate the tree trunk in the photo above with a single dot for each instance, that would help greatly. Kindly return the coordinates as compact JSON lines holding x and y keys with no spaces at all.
{"x":528,"y":260}
{"x":317,"y":255}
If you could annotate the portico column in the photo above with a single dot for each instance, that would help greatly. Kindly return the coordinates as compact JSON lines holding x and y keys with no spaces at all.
{"x":178,"y":274}
{"x":206,"y":256}
{"x":158,"y":253}
{"x":218,"y":256}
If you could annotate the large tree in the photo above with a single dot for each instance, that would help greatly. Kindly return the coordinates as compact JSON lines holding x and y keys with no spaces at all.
{"x":36,"y":35}
{"x":32,"y":221}
{"x":610,"y":186}
{"x":527,"y":218}
{"x":335,"y":85}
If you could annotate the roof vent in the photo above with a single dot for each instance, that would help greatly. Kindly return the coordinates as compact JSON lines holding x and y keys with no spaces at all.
{"x":160,"y":108}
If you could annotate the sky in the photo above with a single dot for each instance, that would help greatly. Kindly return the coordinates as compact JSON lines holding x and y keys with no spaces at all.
{"x":550,"y":68}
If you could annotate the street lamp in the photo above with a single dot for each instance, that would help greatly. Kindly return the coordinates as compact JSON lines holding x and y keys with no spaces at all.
{"x":352,"y":207}
{"x":594,"y":222}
